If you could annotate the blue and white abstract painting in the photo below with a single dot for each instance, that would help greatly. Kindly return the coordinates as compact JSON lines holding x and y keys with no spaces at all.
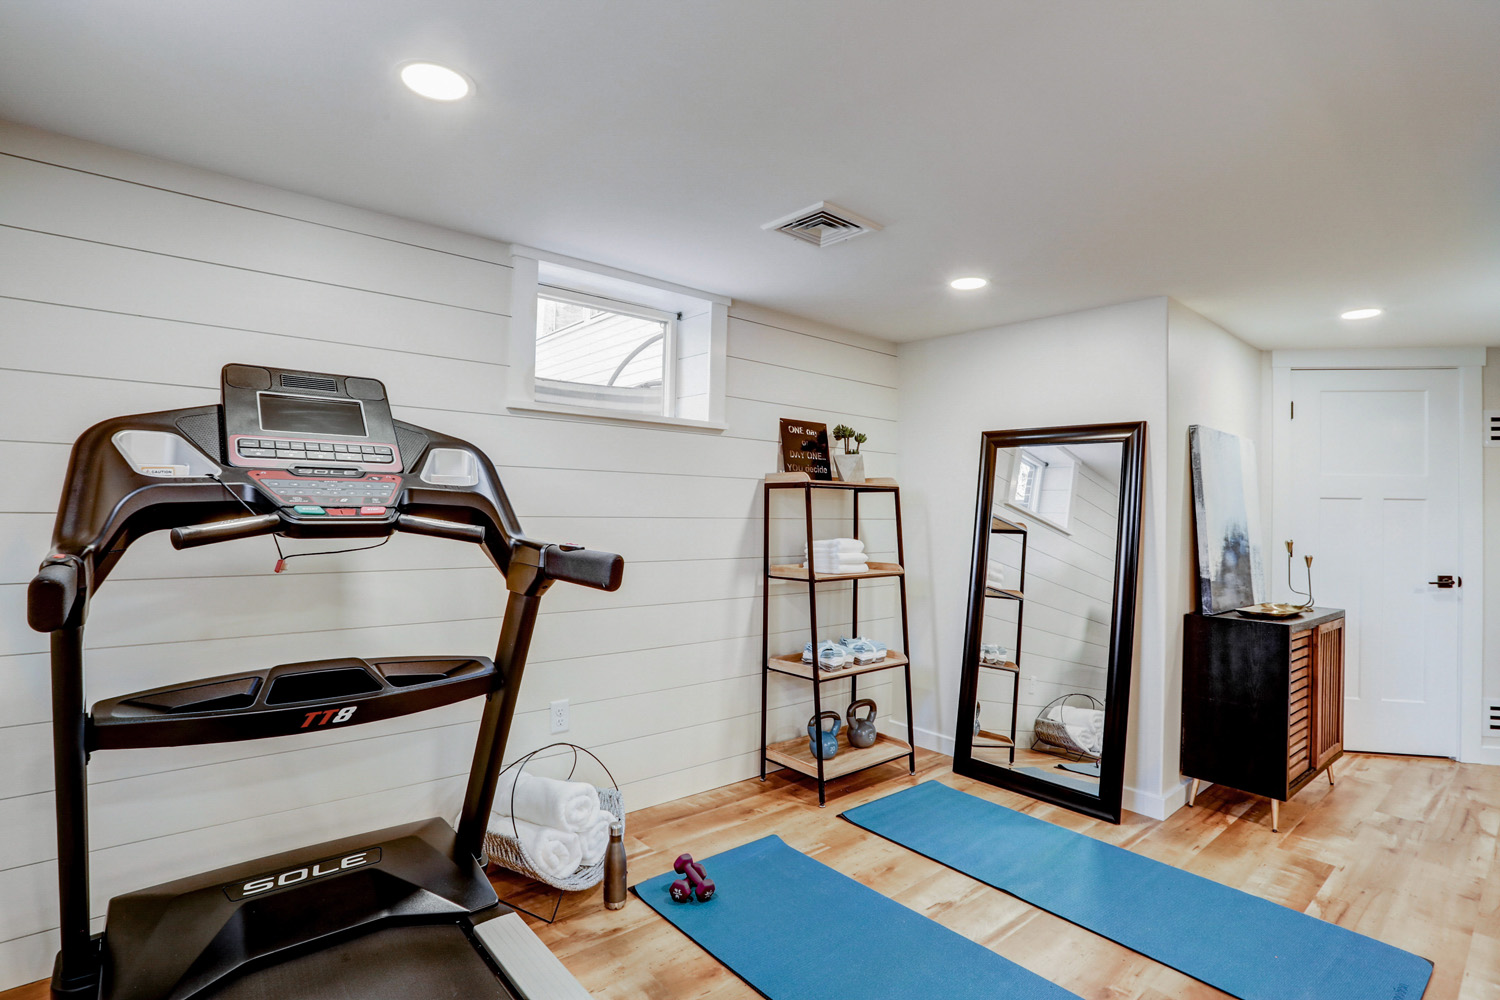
{"x":1226,"y":520}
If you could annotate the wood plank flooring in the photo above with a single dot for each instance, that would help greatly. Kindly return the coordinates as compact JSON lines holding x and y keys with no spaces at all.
{"x":1402,"y":849}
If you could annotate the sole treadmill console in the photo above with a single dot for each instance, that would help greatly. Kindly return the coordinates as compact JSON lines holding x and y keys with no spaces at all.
{"x":403,"y":912}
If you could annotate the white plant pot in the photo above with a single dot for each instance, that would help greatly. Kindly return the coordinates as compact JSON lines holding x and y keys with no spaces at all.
{"x":851,"y":467}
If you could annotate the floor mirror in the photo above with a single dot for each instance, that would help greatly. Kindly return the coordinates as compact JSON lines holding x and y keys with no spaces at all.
{"x":1045,"y":687}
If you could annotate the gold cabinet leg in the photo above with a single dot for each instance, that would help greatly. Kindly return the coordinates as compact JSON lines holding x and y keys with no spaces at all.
{"x":1192,"y":792}
{"x":1330,"y":774}
{"x":1275,"y":816}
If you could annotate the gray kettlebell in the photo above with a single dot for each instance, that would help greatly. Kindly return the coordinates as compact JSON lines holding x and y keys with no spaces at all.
{"x":861,"y":731}
{"x":823,"y":743}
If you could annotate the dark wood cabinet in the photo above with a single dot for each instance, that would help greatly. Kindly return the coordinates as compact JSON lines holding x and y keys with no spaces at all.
{"x":1262,"y":701}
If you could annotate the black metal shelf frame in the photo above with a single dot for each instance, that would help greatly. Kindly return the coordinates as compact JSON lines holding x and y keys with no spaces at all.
{"x":807,"y":487}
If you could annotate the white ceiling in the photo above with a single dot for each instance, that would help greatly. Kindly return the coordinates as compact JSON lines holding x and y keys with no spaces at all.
{"x":1269,"y":163}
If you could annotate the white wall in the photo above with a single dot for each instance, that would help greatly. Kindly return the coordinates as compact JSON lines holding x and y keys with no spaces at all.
{"x":1102,"y":365}
{"x":1214,"y":379}
{"x":126,"y":282}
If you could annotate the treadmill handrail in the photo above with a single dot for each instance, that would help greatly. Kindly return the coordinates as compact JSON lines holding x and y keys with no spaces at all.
{"x":191,"y":535}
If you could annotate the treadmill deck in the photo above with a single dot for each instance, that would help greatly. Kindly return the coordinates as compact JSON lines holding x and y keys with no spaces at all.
{"x":427,"y":961}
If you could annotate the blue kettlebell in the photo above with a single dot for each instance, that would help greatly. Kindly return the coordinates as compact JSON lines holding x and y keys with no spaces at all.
{"x":823,"y":743}
{"x":862,"y":731}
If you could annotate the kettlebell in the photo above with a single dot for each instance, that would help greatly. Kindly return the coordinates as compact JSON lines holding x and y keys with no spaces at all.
{"x":823,"y":743}
{"x":861,"y":731}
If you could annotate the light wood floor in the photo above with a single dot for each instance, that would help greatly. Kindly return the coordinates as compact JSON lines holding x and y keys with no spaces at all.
{"x":1402,"y":849}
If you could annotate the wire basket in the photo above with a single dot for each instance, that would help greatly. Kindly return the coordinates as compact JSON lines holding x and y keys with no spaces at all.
{"x":1053,"y":736}
{"x":507,"y":851}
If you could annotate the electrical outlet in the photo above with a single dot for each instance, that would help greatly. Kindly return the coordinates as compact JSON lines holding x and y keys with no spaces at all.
{"x":560,"y":716}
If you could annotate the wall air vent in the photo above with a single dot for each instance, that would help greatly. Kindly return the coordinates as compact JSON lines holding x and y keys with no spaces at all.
{"x":1492,"y":428}
{"x":1492,"y":716}
{"x":823,"y":224}
{"x":309,"y":382}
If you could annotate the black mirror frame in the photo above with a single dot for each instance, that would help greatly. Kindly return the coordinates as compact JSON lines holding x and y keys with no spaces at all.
{"x":1132,"y":438}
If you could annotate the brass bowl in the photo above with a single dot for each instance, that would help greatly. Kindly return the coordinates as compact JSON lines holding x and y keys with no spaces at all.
{"x":1272,"y":611}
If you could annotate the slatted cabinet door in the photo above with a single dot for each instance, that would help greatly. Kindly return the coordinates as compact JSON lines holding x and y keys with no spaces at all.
{"x":1299,"y":754}
{"x":1328,"y":692}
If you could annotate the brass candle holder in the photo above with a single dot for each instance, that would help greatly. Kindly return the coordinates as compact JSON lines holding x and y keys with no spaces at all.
{"x":1285,"y":610}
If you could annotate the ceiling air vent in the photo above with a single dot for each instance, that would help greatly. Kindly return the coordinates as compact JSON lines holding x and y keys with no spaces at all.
{"x":823,"y":224}
{"x":309,"y":382}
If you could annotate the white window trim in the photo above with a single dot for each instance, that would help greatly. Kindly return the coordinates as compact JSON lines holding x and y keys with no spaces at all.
{"x":527,"y":265}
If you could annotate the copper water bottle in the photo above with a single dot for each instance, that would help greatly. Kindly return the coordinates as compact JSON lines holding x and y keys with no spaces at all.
{"x":614,"y":867}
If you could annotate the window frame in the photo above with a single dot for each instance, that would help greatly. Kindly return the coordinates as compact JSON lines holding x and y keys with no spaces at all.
{"x":557,"y":293}
{"x":540,"y":272}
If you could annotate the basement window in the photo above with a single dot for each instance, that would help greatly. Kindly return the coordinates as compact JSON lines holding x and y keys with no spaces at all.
{"x":591,"y":341}
{"x":1042,"y":483}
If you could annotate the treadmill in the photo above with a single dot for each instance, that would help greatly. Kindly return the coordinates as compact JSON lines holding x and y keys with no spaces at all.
{"x":401,"y":912}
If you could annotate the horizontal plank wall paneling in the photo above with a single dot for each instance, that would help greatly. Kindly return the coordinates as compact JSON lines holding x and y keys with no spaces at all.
{"x":126,"y":283}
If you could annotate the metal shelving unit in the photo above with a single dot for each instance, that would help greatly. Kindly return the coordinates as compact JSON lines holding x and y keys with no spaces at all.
{"x":1000,"y":741}
{"x":795,"y":754}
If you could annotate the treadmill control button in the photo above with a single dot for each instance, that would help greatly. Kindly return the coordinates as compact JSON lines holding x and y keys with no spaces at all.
{"x":258,"y":452}
{"x":368,"y":449}
{"x":372,"y":511}
{"x":341,"y":511}
{"x":306,"y":508}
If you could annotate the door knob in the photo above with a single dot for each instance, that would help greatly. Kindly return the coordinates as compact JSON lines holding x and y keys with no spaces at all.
{"x":1444,"y":582}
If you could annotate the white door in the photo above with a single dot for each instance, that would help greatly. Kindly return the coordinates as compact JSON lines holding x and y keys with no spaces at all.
{"x":1374,"y":499}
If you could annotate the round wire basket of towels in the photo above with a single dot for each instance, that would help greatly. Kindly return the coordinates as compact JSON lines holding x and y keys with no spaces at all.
{"x":554,"y":831}
{"x":1073,"y":724}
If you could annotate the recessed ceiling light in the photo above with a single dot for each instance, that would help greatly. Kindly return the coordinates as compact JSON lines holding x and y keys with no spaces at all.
{"x":968,"y":284}
{"x":1361,"y":314}
{"x":436,"y":82}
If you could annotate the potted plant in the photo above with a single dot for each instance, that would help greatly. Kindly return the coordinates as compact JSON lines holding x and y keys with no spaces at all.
{"x":849,"y":462}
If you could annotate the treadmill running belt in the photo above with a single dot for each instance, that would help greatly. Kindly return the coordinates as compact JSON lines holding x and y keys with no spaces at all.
{"x":428,"y":961}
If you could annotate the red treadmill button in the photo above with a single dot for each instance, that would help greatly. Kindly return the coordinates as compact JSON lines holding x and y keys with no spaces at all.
{"x":341,"y":511}
{"x":376,"y":511}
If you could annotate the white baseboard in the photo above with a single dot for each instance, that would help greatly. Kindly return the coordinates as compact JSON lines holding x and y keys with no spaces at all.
{"x":1486,"y":755}
{"x":1154,"y":806}
{"x":928,"y":740}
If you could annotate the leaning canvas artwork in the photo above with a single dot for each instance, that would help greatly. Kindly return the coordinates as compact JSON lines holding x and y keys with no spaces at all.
{"x":1226,"y":520}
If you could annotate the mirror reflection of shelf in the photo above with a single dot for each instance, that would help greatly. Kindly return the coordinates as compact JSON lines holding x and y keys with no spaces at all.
{"x":999,"y":526}
{"x":1013,"y":595}
{"x":1008,"y":666}
{"x":996,"y":741}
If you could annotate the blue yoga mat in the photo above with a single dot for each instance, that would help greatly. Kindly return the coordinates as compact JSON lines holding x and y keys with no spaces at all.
{"x":1244,"y":945}
{"x":794,"y":929}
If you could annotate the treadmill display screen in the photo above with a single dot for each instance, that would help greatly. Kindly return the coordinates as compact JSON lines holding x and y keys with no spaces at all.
{"x":305,"y":415}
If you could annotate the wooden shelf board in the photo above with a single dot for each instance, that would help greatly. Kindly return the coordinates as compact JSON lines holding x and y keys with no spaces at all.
{"x":795,"y":755}
{"x":783,"y":480}
{"x":1013,"y":595}
{"x":876,"y":571}
{"x":1000,"y":524}
{"x":792,"y":664}
{"x":1005,"y":741}
{"x":1008,"y":666}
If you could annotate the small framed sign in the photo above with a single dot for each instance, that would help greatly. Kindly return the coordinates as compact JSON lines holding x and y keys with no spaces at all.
{"x":804,"y":448}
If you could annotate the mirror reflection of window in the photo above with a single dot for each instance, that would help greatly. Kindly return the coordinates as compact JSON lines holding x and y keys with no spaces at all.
{"x":1029,"y":470}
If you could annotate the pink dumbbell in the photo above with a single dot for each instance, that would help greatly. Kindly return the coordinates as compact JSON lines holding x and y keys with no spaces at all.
{"x":696,"y":881}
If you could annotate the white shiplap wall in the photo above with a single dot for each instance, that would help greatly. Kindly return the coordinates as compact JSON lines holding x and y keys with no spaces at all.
{"x":1069,"y":603}
{"x":125,"y":283}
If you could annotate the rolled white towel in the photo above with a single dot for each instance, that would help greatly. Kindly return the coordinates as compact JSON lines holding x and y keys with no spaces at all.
{"x":558,"y":853}
{"x":562,"y":805}
{"x":1085,"y":727}
{"x":595,"y":837}
{"x":842,"y":545}
{"x":995,"y":575}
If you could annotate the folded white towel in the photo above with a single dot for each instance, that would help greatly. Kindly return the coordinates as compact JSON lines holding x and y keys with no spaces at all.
{"x":558,"y":853}
{"x":563,"y":805}
{"x":850,"y":545}
{"x":595,"y":837}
